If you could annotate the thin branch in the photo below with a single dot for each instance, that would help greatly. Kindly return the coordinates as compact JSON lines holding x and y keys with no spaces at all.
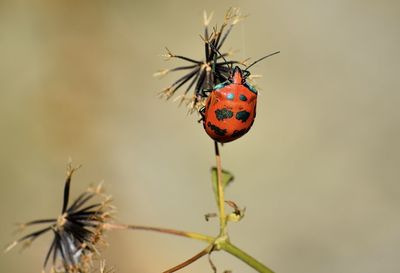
{"x":189,"y":261}
{"x":192,"y":235}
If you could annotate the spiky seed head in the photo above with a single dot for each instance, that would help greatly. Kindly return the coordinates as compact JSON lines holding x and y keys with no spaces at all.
{"x":78,"y":230}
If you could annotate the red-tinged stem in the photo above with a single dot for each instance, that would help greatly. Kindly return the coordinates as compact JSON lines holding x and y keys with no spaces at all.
{"x":189,"y":261}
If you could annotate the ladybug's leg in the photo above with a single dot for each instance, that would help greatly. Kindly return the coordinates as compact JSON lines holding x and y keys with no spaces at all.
{"x":202,"y":113}
{"x":203,"y":92}
{"x":246,"y":74}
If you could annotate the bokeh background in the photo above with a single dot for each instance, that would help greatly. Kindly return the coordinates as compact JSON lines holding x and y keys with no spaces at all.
{"x":318,"y":173}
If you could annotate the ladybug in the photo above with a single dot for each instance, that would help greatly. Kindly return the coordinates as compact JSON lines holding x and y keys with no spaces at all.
{"x":230,"y":108}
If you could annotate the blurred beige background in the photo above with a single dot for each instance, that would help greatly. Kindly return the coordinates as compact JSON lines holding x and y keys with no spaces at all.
{"x":318,"y":173}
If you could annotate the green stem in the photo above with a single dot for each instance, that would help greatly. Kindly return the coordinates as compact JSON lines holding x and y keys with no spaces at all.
{"x":221,"y":198}
{"x":243,"y":256}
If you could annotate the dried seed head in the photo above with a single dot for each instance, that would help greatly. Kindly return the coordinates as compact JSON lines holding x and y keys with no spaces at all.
{"x":78,"y":230}
{"x":203,"y":74}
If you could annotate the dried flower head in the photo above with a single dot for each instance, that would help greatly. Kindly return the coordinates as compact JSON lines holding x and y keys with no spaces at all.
{"x":77,"y":230}
{"x":204,"y":74}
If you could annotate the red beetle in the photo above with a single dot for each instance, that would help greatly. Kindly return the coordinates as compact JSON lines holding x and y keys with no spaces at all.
{"x":230,"y":109}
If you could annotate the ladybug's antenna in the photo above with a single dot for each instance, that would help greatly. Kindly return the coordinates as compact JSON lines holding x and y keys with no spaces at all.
{"x":269,"y":55}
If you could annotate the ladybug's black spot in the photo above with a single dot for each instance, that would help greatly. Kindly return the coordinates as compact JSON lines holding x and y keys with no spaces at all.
{"x":239,"y":133}
{"x":242,"y":115}
{"x":242,"y":97}
{"x":216,"y":129}
{"x":224,"y":113}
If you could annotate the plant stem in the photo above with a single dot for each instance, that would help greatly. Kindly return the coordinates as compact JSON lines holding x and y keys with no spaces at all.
{"x":221,"y":204}
{"x":223,"y":245}
{"x":192,"y":235}
{"x":221,"y":242}
{"x":243,"y":256}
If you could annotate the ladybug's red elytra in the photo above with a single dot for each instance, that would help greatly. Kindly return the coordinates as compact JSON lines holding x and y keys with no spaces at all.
{"x":231,"y":108}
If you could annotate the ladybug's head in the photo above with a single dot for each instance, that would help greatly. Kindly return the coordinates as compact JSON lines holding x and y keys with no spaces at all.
{"x":238,"y":75}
